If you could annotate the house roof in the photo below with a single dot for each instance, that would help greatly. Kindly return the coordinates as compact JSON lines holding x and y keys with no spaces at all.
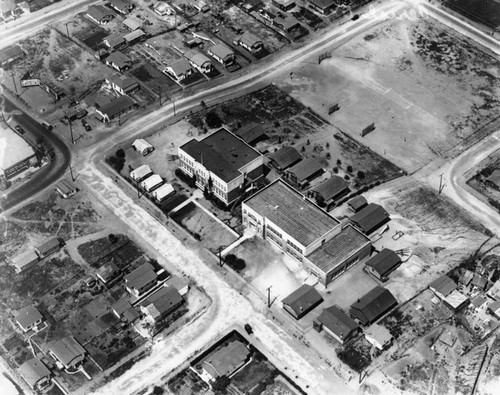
{"x":494,"y":291}
{"x":221,"y":51}
{"x":303,"y":299}
{"x":163,"y":191}
{"x":226,"y":359}
{"x":132,"y":24}
{"x":479,"y":281}
{"x":372,"y":305}
{"x":384,"y":262}
{"x":323,"y":4}
{"x":13,"y":148}
{"x":108,"y":271}
{"x":456,"y":299}
{"x":140,"y":172}
{"x":180,"y":66}
{"x":66,"y":349}
{"x":222,"y":153}
{"x":251,"y":132}
{"x":495,"y":306}
{"x":152,"y":181}
{"x":337,"y":321}
{"x":162,"y":301}
{"x":141,"y":144}
{"x":120,"y":4}
{"x":27,"y":316}
{"x":466,"y":277}
{"x":24,"y":259}
{"x":357,"y":202}
{"x":444,"y":285}
{"x":339,"y":248}
{"x":495,"y":177}
{"x":331,"y":187}
{"x":98,"y":12}
{"x":370,"y":218}
{"x":114,"y":40}
{"x":120,"y":306}
{"x":123,"y":82}
{"x":65,"y":187}
{"x":380,"y":333}
{"x":117,"y":106}
{"x":291,"y":211}
{"x":289,"y":22}
{"x":285,"y":157}
{"x":478,"y":301}
{"x":119,"y":59}
{"x":33,"y":370}
{"x":250,"y":39}
{"x":141,"y":276}
{"x":305,"y":169}
{"x":197,"y":58}
{"x":11,"y":52}
{"x":138,"y":33}
{"x":48,"y":246}
{"x":7,"y":5}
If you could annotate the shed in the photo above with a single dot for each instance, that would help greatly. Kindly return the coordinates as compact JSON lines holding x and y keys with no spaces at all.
{"x":494,"y":178}
{"x":140,"y":173}
{"x":142,"y":146}
{"x":285,"y":157}
{"x":134,"y":36}
{"x":301,"y":301}
{"x":370,"y":218}
{"x":357,"y":203}
{"x":65,"y":189}
{"x":383,"y":264}
{"x":305,"y":171}
{"x":337,"y":324}
{"x":151,"y":182}
{"x":163,"y":192}
{"x":373,"y":305}
{"x":24,"y":261}
{"x":379,"y":336}
{"x":48,"y":248}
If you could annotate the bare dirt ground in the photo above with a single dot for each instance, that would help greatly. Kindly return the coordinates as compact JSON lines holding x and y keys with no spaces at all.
{"x":425,"y":91}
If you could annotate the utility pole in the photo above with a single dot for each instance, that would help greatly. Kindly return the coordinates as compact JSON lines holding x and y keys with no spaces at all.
{"x":441,"y":184}
{"x":173,"y":104}
{"x":269,"y":297}
{"x":15,"y":85}
{"x":221,"y":263}
{"x":67,"y":30}
{"x":71,"y":172}
{"x":71,"y":132}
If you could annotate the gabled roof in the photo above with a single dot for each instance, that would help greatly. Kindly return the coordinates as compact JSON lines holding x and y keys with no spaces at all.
{"x":444,"y":285}
{"x":479,"y":281}
{"x":114,"y":40}
{"x":66,"y":349}
{"x":11,"y":52}
{"x":495,"y":177}
{"x":123,"y":82}
{"x":132,"y":24}
{"x":120,"y":4}
{"x":197,"y":58}
{"x":117,"y":106}
{"x":108,"y":271}
{"x":380,"y":333}
{"x":25,"y":258}
{"x":303,"y":299}
{"x":337,"y":321}
{"x":48,"y":246}
{"x":372,"y":305}
{"x":251,"y":132}
{"x":33,"y":370}
{"x":323,"y":4}
{"x":221,"y":51}
{"x":98,"y":12}
{"x":250,"y":39}
{"x":180,"y":66}
{"x":370,"y":218}
{"x":138,"y":33}
{"x":141,"y":276}
{"x":285,"y":157}
{"x":27,"y":316}
{"x":291,"y":211}
{"x":119,"y":59}
{"x":357,"y":202}
{"x":331,"y":187}
{"x":140,"y":172}
{"x":384,"y":262}
{"x":226,"y":360}
{"x":163,"y":301}
{"x":305,"y":169}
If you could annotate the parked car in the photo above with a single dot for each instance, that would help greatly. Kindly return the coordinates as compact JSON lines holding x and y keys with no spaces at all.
{"x":86,"y":125}
{"x":19,"y":129}
{"x":248,"y":329}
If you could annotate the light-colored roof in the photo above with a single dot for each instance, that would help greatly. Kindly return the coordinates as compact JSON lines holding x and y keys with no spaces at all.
{"x":197,"y":58}
{"x":379,"y":333}
{"x":152,"y":181}
{"x":13,"y":148}
{"x":140,"y":172}
{"x":27,"y":316}
{"x":180,"y":66}
{"x":141,"y":144}
{"x":123,"y":82}
{"x":134,"y":35}
{"x":162,"y":302}
{"x":132,"y":24}
{"x":163,"y":191}
{"x":24,"y":259}
{"x":66,"y":349}
{"x":114,"y":39}
{"x":221,"y":51}
{"x":456,"y":299}
{"x":32,"y":371}
{"x":7,"y":5}
{"x":226,"y":360}
{"x":250,"y":39}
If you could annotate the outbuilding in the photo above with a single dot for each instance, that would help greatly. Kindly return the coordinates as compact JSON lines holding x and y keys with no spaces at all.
{"x":65,"y":189}
{"x":302,"y":301}
{"x":163,"y":192}
{"x":383,"y":263}
{"x":379,"y":336}
{"x":140,"y":173}
{"x":330,"y":190}
{"x":370,"y":218}
{"x":337,"y":324}
{"x":357,"y":203}
{"x":373,"y":305}
{"x":142,"y":147}
{"x":151,"y":182}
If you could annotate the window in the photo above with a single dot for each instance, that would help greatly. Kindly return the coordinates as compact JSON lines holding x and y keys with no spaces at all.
{"x":295,"y":247}
{"x":270,"y":229}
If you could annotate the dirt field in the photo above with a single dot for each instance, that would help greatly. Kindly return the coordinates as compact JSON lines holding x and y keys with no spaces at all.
{"x":485,"y":12}
{"x":426,"y":91}
{"x":477,"y":179}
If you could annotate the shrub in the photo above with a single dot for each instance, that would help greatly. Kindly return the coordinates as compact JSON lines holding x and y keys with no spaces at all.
{"x":328,"y":155}
{"x":349,"y":169}
{"x":112,"y":238}
{"x":346,"y":177}
{"x":335,"y":170}
{"x":360,"y":175}
{"x":238,"y":265}
{"x":158,"y":390}
{"x":213,"y":120}
{"x":120,"y":153}
{"x":339,"y":162}
{"x":221,"y":383}
{"x":303,"y":149}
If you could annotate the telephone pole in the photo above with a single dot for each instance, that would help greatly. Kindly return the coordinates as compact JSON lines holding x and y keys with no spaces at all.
{"x":14,"y":81}
{"x":71,"y":172}
{"x":67,"y":30}
{"x":71,"y":132}
{"x":269,"y":297}
{"x":441,"y":183}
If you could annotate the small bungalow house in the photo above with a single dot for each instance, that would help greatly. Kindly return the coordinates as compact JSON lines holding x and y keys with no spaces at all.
{"x":357,"y":203}
{"x":250,"y":42}
{"x":124,"y":310}
{"x":119,"y":61}
{"x":324,"y":7}
{"x":142,"y":146}
{"x":337,"y":324}
{"x":252,"y":133}
{"x":28,"y":318}
{"x":199,"y":61}
{"x":135,"y":36}
{"x":285,"y":157}
{"x":302,"y":301}
{"x":284,"y":5}
{"x":383,"y":263}
{"x":67,"y":352}
{"x":122,"y":6}
{"x":140,"y":280}
{"x":140,"y":173}
{"x":100,"y":14}
{"x":222,"y":54}
{"x":370,"y":218}
{"x":179,"y":70}
{"x":373,"y":305}
{"x":443,"y":286}
{"x":36,"y":374}
{"x":379,"y":336}
{"x":303,"y":172}
{"x":123,"y":84}
{"x":330,"y":190}
{"x":114,"y":41}
{"x":109,"y":274}
{"x":65,"y":189}
{"x":226,"y":361}
{"x":113,"y":109}
{"x":161,"y":304}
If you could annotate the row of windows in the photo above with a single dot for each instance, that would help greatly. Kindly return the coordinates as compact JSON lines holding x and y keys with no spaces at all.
{"x":270,"y":229}
{"x":273,"y":238}
{"x":295,"y":247}
{"x":294,"y":254}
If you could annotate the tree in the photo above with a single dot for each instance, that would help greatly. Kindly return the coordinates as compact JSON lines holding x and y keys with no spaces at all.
{"x":335,"y":170}
{"x":221,"y":383}
{"x":339,"y":162}
{"x":327,"y":145}
{"x":120,"y":153}
{"x":213,"y":120}
{"x":346,"y":177}
{"x":112,"y":238}
{"x":328,"y":155}
{"x":360,"y":174}
{"x":349,"y":169}
{"x":303,"y":149}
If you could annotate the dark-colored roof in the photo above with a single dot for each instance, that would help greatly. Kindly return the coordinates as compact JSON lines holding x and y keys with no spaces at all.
{"x":119,"y":59}
{"x":306,"y":168}
{"x":337,"y":321}
{"x":357,"y":202}
{"x":48,"y":246}
{"x":250,"y":39}
{"x":33,"y":370}
{"x":65,"y":187}
{"x":221,"y":51}
{"x":479,"y":281}
{"x":108,"y":271}
{"x":384,"y":262}
{"x":141,"y":276}
{"x":285,"y":157}
{"x":303,"y":299}
{"x":120,"y":306}
{"x":251,"y":132}
{"x":27,"y":316}
{"x":370,"y":218}
{"x":124,"y":82}
{"x":66,"y":349}
{"x":288,"y":209}
{"x":495,"y":177}
{"x":372,"y":305}
{"x":11,"y":52}
{"x":444,"y":285}
{"x":163,"y":301}
{"x":180,"y":66}
{"x":323,"y":4}
{"x":117,"y":106}
{"x":335,"y":251}
{"x":331,"y":187}
{"x":98,"y":12}
{"x":226,"y":360}
{"x":114,"y":40}
{"x":222,"y":153}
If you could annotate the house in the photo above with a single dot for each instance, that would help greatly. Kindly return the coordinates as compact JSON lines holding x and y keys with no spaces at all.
{"x":152,"y":182}
{"x":48,"y":248}
{"x":199,"y":61}
{"x":287,"y":23}
{"x":28,"y":318}
{"x":65,"y":189}
{"x":373,"y":305}
{"x":114,"y":41}
{"x":223,"y":163}
{"x":324,"y":7}
{"x":24,"y":260}
{"x":330,"y":190}
{"x":337,"y":324}
{"x":162,"y":9}
{"x":302,"y":301}
{"x":479,"y":282}
{"x":119,"y":61}
{"x":466,"y":277}
{"x":494,"y":179}
{"x":456,"y":301}
{"x":67,"y":352}
{"x":161,"y":303}
{"x":250,"y":42}
{"x":142,"y":146}
{"x":370,"y":218}
{"x":443,"y":286}
{"x":479,"y":302}
{"x":134,"y":37}
{"x":494,"y":291}
{"x":379,"y":336}
{"x":303,"y":172}
{"x":122,"y":6}
{"x":251,"y":133}
{"x":123,"y":84}
{"x":109,"y":273}
{"x":180,"y":69}
{"x":357,"y":203}
{"x":222,"y":54}
{"x":140,"y":173}
{"x":115,"y":108}
{"x":100,"y":14}
{"x":140,"y":280}
{"x":226,"y":361}
{"x":284,"y":5}
{"x":383,"y":264}
{"x":285,"y":157}
{"x":163,"y":192}
{"x":35,"y":373}
{"x":200,"y":6}
{"x":11,"y":54}
{"x":494,"y":309}
{"x":8,"y":9}
{"x":124,"y":310}
{"x":180,"y":284}
{"x":132,"y":24}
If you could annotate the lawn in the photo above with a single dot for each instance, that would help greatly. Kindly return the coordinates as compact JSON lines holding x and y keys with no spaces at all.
{"x":257,"y":371}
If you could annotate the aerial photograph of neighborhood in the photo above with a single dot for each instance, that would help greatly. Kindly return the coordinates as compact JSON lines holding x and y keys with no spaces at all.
{"x":250,"y":197}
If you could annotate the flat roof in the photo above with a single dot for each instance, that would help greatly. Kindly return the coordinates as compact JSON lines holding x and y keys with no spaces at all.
{"x":13,"y":148}
{"x":288,"y":209}
{"x":335,"y":251}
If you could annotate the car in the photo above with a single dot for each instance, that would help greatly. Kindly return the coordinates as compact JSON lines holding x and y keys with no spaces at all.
{"x":19,"y":129}
{"x":355,"y":17}
{"x":86,"y":125}
{"x":248,"y":329}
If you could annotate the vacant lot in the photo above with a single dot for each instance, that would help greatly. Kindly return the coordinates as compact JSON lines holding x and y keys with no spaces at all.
{"x":486,"y":12}
{"x":427,"y":91}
